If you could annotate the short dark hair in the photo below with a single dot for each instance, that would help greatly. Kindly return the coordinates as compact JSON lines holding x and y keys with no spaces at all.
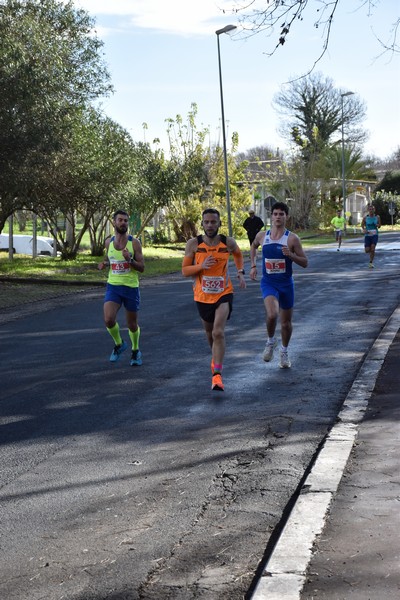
{"x":120,"y":212}
{"x":280,"y":206}
{"x":211,"y":211}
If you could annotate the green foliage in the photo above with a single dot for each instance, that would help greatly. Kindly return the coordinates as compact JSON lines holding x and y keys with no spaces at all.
{"x":356,"y":167}
{"x":240,"y":191}
{"x":387,"y":196}
{"x":153,"y":184}
{"x":190,"y":158}
{"x":50,"y":66}
{"x":83,"y":268}
{"x":384,"y":202}
{"x":390,"y":183}
{"x":311,"y":108}
{"x":86,"y":180}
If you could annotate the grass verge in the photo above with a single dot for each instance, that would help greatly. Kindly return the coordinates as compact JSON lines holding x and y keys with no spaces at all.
{"x":159,"y":260}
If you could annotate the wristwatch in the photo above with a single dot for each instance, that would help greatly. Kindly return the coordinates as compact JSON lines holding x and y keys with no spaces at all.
{"x":241,"y":271}
{"x":131,"y":260}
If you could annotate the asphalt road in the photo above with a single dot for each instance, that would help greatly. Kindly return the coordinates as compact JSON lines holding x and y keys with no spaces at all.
{"x":140,"y":483}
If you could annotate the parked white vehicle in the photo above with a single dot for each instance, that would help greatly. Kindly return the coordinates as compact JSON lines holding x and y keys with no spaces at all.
{"x":22,"y":244}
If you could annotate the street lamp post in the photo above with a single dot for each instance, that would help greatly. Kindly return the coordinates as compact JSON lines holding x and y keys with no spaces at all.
{"x":225,"y":29}
{"x":343,"y":169}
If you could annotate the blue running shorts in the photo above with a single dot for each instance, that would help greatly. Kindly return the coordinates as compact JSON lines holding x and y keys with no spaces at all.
{"x":283,"y":292}
{"x":370,"y":240}
{"x":122,"y":294}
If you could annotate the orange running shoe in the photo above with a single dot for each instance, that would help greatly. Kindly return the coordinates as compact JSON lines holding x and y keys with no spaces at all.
{"x":217,"y":383}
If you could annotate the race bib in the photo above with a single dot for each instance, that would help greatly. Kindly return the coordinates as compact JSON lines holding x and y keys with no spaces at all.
{"x":275,"y":265}
{"x":119,"y":267}
{"x":212,"y":285}
{"x":372,"y":232}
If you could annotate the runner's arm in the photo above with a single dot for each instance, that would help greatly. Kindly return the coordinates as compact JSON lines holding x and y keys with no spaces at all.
{"x":238,"y":259}
{"x":188,"y":268}
{"x":363,"y":225}
{"x":105,"y":262}
{"x":294,"y":251}
{"x":137,"y":260}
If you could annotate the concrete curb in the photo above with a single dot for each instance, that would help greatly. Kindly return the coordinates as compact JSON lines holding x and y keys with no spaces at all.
{"x":285,"y":572}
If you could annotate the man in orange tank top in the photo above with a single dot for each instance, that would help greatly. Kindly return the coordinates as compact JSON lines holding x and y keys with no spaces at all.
{"x":206,"y":261}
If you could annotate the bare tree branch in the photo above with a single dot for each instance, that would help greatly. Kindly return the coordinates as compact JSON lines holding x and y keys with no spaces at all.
{"x":278,"y":17}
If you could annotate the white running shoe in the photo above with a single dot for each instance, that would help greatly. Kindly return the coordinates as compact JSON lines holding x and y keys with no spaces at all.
{"x":269,"y":350}
{"x":285,"y":360}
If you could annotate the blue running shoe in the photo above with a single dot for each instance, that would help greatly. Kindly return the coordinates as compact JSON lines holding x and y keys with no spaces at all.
{"x":118,"y":350}
{"x":136,"y":358}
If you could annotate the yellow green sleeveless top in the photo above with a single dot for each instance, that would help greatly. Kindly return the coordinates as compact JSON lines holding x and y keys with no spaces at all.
{"x":121,"y":272}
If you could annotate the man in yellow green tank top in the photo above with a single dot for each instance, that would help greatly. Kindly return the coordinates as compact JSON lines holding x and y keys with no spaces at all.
{"x":338,"y":224}
{"x":125,"y":261}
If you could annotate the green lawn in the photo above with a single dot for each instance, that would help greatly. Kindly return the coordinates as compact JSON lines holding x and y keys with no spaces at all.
{"x":159,"y":260}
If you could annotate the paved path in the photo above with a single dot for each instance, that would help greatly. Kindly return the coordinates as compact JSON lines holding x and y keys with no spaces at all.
{"x":351,"y":523}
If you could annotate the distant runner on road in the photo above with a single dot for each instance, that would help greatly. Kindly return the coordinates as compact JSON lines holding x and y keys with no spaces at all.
{"x":338,"y":225}
{"x":125,"y":259}
{"x":370,"y":225}
{"x":206,"y":260}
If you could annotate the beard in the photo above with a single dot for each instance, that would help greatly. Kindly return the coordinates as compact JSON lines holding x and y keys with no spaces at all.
{"x":212,"y":234}
{"x":122,"y":229}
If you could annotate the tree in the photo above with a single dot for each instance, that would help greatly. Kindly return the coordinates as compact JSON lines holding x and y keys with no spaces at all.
{"x":391,"y":163}
{"x":86,"y":181}
{"x":191,"y":160}
{"x":153,"y":184}
{"x":259,"y":16}
{"x":329,"y":171}
{"x":240,"y":186}
{"x":387,"y":205}
{"x":390,"y":183}
{"x":356,"y":166}
{"x":311,"y":109}
{"x":263,"y":169}
{"x":50,"y":66}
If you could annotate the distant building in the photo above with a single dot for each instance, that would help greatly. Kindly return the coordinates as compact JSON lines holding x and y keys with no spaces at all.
{"x":356,"y":204}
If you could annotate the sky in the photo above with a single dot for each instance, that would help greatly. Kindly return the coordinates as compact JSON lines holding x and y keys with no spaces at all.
{"x":162,"y":56}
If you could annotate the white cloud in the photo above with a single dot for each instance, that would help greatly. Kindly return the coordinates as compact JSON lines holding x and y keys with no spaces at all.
{"x":179,"y":17}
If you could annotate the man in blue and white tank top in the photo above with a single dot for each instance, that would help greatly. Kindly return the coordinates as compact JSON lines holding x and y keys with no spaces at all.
{"x":370,"y":225}
{"x":280,"y":249}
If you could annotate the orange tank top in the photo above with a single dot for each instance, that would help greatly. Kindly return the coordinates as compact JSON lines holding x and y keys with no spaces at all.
{"x":210,"y":284}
